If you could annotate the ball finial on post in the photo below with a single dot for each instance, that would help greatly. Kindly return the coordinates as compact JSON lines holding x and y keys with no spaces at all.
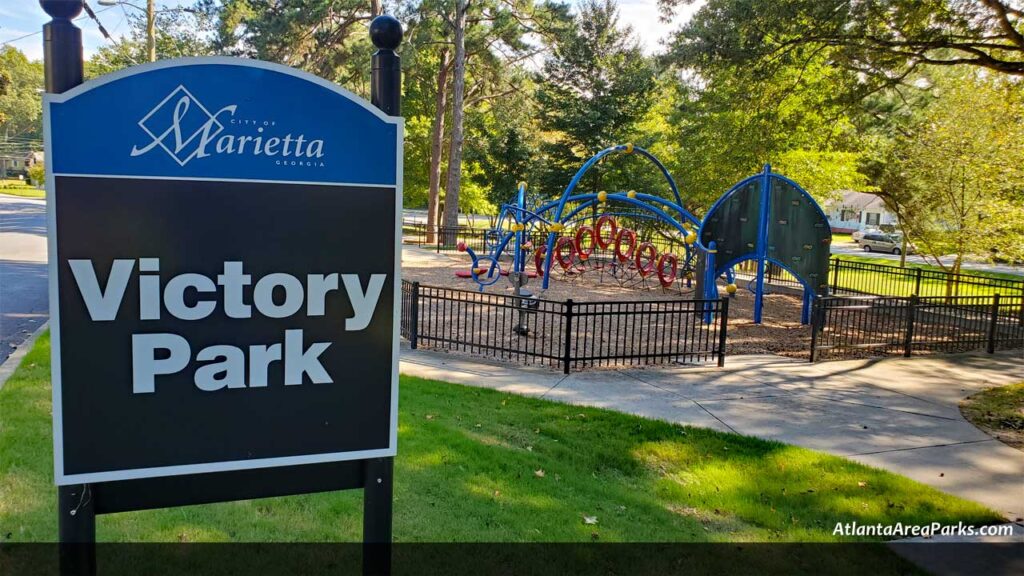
{"x":386,"y":74}
{"x":386,"y":32}
{"x":64,"y":9}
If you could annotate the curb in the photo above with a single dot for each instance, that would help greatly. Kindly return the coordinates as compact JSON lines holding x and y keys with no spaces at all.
{"x":10,"y":365}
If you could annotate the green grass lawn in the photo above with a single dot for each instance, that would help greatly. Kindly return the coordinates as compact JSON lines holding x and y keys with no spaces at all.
{"x":479,"y":465}
{"x":999,"y":412}
{"x":20,"y":188}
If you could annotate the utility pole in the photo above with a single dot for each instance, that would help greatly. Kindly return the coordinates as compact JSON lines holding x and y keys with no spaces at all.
{"x":150,"y":23}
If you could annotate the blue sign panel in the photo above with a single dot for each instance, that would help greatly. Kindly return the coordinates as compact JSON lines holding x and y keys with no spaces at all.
{"x":224,"y":252}
{"x":221,"y":118}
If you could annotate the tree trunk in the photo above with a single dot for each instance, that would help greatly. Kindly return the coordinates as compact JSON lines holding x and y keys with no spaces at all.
{"x":451,"y":196}
{"x":436,"y":140}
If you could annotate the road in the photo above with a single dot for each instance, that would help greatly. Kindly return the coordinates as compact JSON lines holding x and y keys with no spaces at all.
{"x":855,"y":249}
{"x":24,"y":304}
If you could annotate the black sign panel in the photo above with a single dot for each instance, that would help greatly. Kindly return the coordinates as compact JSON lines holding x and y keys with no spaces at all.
{"x":216,"y":307}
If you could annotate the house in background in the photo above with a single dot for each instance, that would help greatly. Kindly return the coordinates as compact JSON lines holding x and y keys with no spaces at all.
{"x":859,"y":211}
{"x":17,"y":164}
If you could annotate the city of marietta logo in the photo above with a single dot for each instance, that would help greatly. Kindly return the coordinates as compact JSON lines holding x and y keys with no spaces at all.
{"x":186,"y":130}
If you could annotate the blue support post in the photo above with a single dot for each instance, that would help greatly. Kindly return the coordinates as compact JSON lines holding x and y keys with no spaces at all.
{"x":517,"y":257}
{"x":805,"y":313}
{"x":710,"y":277}
{"x":762,"y":240}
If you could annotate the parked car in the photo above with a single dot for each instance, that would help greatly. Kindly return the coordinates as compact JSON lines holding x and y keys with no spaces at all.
{"x":858,"y":235}
{"x":883,"y":242}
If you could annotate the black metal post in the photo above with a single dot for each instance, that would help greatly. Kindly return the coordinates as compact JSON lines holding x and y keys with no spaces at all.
{"x":992,"y":325}
{"x":835,"y":274}
{"x":386,"y":77}
{"x":567,"y":352}
{"x":414,"y":312}
{"x":724,"y":314}
{"x":386,"y":94}
{"x":76,"y":528}
{"x":63,"y":70}
{"x":917,"y":281}
{"x":908,"y":340}
{"x":816,"y":313}
{"x":62,"y":45}
{"x":377,"y":512}
{"x":1021,"y":309}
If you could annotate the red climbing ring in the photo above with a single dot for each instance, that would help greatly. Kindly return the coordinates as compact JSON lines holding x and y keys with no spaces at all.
{"x":646,"y":258}
{"x":579,"y":243}
{"x":538,"y":259}
{"x":613,"y":228}
{"x":667,"y":279}
{"x":625,"y":256}
{"x":565,"y":260}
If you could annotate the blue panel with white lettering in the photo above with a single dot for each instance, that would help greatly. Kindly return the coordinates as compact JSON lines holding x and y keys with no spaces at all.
{"x":212,"y":118}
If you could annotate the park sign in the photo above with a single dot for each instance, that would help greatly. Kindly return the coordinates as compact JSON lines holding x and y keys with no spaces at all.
{"x":224,"y":271}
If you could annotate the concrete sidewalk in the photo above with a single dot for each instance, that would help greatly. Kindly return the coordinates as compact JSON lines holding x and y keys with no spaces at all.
{"x":897,"y":414}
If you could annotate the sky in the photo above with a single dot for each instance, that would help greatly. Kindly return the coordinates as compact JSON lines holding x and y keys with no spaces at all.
{"x":22,"y":20}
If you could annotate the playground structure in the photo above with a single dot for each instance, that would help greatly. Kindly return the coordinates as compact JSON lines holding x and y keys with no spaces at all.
{"x":644,"y":240}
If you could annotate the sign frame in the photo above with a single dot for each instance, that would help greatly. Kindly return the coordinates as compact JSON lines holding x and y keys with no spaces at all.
{"x":79,"y":504}
{"x":49,"y":100}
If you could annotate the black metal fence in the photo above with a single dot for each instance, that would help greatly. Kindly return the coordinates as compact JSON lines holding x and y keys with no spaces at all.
{"x":445,"y":240}
{"x":886,"y":325}
{"x":573,"y":335}
{"x":880,"y":280}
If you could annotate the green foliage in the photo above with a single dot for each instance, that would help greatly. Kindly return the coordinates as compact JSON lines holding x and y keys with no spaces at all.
{"x":594,"y":89}
{"x":37,"y":173}
{"x":20,"y":103}
{"x":958,"y":167}
{"x":878,"y":43}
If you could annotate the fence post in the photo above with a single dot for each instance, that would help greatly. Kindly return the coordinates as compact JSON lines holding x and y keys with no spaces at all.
{"x":1020,"y":311}
{"x":815,"y":325}
{"x":835,"y":274}
{"x":722,"y":331}
{"x":414,"y":311}
{"x":993,"y":324}
{"x":917,"y":281}
{"x":908,"y":341}
{"x":567,"y":353}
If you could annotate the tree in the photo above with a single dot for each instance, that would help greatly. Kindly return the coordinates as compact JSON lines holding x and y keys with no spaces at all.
{"x":179,"y":33}
{"x":489,"y":33}
{"x":594,"y":89}
{"x":21,"y":83}
{"x":20,"y":102}
{"x":325,"y":37}
{"x":959,"y":169}
{"x":731,"y":120}
{"x":880,"y":42}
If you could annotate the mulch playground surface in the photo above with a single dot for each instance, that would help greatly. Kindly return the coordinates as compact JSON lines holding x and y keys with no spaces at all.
{"x":779,"y":333}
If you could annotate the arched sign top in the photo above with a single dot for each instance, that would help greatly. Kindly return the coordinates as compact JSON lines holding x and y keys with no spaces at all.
{"x":221,"y":118}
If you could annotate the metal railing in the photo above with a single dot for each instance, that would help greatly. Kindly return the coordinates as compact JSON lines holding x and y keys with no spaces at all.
{"x":880,"y":280}
{"x":885,"y":325}
{"x":572,"y":335}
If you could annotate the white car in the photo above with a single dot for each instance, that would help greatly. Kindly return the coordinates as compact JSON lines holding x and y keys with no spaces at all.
{"x":859,"y":234}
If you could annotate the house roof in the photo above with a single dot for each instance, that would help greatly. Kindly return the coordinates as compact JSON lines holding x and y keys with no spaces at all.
{"x":858,"y":201}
